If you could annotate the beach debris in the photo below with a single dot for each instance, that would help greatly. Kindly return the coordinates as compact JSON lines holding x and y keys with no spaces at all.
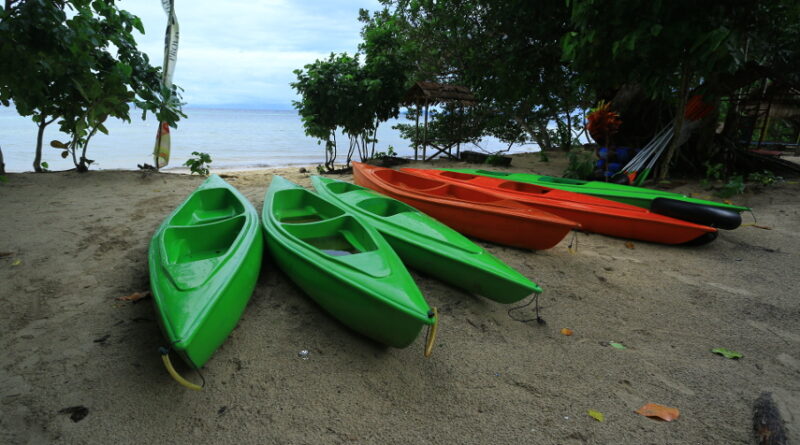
{"x":16,"y":262}
{"x":303,"y":354}
{"x":767,"y":422}
{"x":616,"y":345}
{"x":102,"y":340}
{"x":662,"y":412}
{"x":222,"y":410}
{"x":566,"y":331}
{"x":76,"y":413}
{"x":596,"y":415}
{"x":5,"y":254}
{"x":630,"y":245}
{"x":727,"y":353}
{"x":136,"y":296}
{"x":303,"y":170}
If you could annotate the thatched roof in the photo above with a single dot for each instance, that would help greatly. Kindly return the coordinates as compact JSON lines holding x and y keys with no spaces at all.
{"x":433,"y":92}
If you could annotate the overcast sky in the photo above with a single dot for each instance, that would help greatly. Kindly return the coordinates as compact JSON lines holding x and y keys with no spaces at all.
{"x":240,"y":53}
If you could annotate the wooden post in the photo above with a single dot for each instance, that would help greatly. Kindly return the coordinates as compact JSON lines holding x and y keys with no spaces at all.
{"x":764,"y":127}
{"x":416,"y":133}
{"x":425,"y":132}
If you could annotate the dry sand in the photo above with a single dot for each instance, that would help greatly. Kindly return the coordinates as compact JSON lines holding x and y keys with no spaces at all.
{"x":76,"y":242}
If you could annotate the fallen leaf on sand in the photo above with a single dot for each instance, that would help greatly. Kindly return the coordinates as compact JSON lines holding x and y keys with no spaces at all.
{"x":616,"y":345}
{"x":16,"y":262}
{"x":629,"y":245}
{"x":727,"y":353}
{"x":596,"y":415}
{"x":136,"y":296}
{"x":566,"y":331}
{"x":660,"y":411}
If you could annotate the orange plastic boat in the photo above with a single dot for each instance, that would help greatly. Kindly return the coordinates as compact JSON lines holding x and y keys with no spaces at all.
{"x":594,"y":214}
{"x":467,"y":209}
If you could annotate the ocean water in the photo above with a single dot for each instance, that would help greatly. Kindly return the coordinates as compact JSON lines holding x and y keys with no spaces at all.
{"x":235,"y":139}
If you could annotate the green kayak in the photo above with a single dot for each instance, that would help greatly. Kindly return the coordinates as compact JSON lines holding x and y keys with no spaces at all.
{"x":674,"y":205}
{"x":343,"y":264}
{"x":637,"y":196}
{"x":204,"y":261}
{"x":428,"y":245}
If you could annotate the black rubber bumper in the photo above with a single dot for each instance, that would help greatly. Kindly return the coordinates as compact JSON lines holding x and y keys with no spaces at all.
{"x":706,"y":215}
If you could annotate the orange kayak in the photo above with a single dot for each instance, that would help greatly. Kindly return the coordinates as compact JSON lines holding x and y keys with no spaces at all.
{"x":594,"y":214}
{"x":467,"y":209}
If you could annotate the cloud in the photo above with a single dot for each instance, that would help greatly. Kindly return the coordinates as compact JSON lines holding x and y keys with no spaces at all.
{"x":242,"y":52}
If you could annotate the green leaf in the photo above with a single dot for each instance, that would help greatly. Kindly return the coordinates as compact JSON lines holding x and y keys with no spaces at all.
{"x":596,"y":415}
{"x":616,"y":345}
{"x":58,"y":144}
{"x":727,"y":353}
{"x":655,"y":30}
{"x":45,"y":165}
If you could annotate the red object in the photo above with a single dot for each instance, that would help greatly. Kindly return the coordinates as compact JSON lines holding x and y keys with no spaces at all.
{"x":594,"y":214}
{"x":471,"y":211}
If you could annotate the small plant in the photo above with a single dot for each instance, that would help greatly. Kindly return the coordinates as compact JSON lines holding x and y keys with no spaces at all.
{"x":496,"y":159}
{"x":543,"y":156}
{"x":384,"y":155}
{"x":580,"y":164}
{"x":764,"y":178}
{"x":199,"y":163}
{"x":734,"y":187}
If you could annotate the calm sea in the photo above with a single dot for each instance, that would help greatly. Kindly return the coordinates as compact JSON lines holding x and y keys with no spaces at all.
{"x":235,"y":139}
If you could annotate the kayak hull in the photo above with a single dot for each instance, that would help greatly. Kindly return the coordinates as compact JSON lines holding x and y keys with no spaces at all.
{"x":429,"y":246}
{"x":471,"y":212}
{"x":204,"y":261}
{"x":636,"y":196}
{"x":343,"y":265}
{"x":594,"y":214}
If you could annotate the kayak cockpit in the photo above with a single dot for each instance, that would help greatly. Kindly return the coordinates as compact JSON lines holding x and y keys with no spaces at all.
{"x":206,"y":206}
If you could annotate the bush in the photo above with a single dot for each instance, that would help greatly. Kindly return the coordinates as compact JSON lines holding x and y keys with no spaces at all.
{"x":580,"y":164}
{"x":199,"y":163}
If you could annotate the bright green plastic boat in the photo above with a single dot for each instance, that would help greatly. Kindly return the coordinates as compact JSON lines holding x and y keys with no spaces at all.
{"x":343,"y":264}
{"x":637,"y":196}
{"x":428,"y":245}
{"x":204,"y":261}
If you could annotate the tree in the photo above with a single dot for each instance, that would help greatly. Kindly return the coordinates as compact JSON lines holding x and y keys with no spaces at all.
{"x":506,"y":52}
{"x":82,"y":69}
{"x":671,"y":50}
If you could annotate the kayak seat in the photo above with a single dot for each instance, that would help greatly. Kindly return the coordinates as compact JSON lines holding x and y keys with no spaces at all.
{"x":193,"y":252}
{"x":407,"y":180}
{"x":524,"y":187}
{"x":491,"y":173}
{"x":384,"y":207}
{"x":464,"y":193}
{"x":340,"y":187}
{"x":207,"y":206}
{"x":458,"y":175}
{"x":562,"y":180}
{"x":336,"y":236}
{"x":299,"y":206}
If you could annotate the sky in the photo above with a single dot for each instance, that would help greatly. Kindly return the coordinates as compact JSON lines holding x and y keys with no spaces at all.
{"x":241,"y":54}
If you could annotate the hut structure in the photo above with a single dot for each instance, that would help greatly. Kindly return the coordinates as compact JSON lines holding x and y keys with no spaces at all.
{"x":425,"y":94}
{"x":774,"y":100}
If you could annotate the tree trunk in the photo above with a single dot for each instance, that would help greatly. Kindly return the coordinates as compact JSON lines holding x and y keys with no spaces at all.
{"x":2,"y":163}
{"x":37,"y":160}
{"x":678,"y":124}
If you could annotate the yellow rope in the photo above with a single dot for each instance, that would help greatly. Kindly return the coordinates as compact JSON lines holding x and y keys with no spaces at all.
{"x":175,"y":375}
{"x":432,"y":334}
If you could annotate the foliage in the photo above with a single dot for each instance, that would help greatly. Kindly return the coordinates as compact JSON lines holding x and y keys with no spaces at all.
{"x":734,"y":186}
{"x":543,"y":156}
{"x":507,"y":53}
{"x":764,"y":178}
{"x":447,"y":127}
{"x":77,"y":60}
{"x":199,"y":163}
{"x":580,"y":164}
{"x":388,"y":154}
{"x":496,"y":159}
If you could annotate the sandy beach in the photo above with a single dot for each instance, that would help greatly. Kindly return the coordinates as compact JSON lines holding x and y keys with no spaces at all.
{"x":71,"y":244}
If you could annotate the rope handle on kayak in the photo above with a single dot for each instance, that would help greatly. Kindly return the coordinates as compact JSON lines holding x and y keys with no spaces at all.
{"x":174,"y":374}
{"x":431,"y":337}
